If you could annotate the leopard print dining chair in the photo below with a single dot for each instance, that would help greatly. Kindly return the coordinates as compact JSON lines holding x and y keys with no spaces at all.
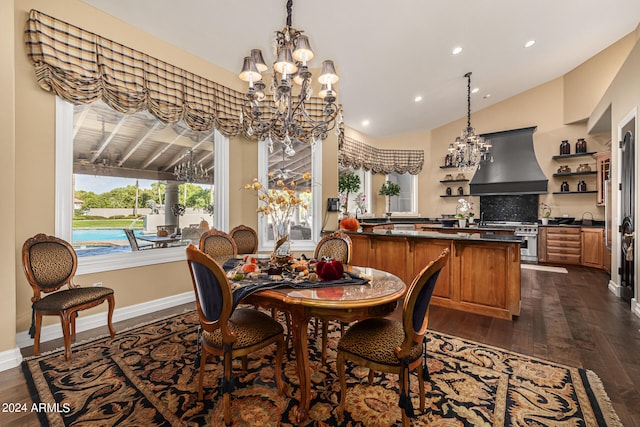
{"x":246,"y":239}
{"x":50,"y":264}
{"x":391,"y":346}
{"x":336,"y":245}
{"x":218,"y":245}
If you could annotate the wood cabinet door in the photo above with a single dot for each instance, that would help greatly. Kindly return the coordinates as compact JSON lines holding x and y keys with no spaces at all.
{"x":390,"y":254}
{"x":473,"y":272}
{"x":427,"y":250}
{"x":360,"y":249}
{"x":592,"y":247}
{"x":542,"y":244}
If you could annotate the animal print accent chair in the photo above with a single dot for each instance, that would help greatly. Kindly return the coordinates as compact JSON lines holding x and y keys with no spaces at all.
{"x":246,"y":239}
{"x":218,"y":245}
{"x":336,"y":245}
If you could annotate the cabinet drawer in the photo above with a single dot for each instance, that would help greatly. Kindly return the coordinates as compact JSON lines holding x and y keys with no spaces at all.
{"x":567,"y":259}
{"x":567,"y":239}
{"x":562,"y":250}
{"x":563,"y":230}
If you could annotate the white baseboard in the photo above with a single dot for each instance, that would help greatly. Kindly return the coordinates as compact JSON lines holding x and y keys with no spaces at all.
{"x":51,"y":332}
{"x":10,"y":359}
{"x":615,"y":289}
{"x":635,"y":307}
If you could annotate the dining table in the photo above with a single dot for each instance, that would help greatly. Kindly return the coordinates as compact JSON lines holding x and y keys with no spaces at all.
{"x":160,"y":241}
{"x":378,"y":296}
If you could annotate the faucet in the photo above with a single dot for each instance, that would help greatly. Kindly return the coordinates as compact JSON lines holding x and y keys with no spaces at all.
{"x":482,"y":218}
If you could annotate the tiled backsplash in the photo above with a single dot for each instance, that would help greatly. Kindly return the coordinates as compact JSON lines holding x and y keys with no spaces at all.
{"x":510,"y":208}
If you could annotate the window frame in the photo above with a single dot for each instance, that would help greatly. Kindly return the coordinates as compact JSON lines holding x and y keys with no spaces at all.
{"x":316,"y":210}
{"x":365,"y":184}
{"x":414,"y":197}
{"x":64,"y":200}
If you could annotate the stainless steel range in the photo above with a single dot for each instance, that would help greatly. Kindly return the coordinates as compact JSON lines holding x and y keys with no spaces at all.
{"x":527,"y":230}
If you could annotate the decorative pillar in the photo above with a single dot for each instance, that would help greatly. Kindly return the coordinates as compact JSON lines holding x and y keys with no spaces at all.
{"x":170,"y":199}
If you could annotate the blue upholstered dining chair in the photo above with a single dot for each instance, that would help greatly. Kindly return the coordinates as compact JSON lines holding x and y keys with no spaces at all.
{"x":227,"y":332}
{"x":391,"y":346}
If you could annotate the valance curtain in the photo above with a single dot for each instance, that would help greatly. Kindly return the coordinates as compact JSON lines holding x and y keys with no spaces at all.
{"x":358,"y":155}
{"x":82,"y":67}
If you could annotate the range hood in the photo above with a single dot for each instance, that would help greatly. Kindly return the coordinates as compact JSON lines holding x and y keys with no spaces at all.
{"x":514,"y":170}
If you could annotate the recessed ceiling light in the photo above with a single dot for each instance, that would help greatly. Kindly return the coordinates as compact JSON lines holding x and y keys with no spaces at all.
{"x":365,"y":123}
{"x":418,"y":98}
{"x":487,"y":96}
{"x":530,"y":43}
{"x":475,"y":90}
{"x":456,"y":50}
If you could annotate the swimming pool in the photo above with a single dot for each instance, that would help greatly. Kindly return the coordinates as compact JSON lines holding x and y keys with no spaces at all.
{"x":97,"y":234}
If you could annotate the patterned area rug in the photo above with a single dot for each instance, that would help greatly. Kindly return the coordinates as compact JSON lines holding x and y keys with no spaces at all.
{"x":145,"y":377}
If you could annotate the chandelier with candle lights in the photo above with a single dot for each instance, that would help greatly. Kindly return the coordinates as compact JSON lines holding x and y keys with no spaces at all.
{"x":189,"y":171}
{"x":284,"y":116}
{"x":469,"y":150}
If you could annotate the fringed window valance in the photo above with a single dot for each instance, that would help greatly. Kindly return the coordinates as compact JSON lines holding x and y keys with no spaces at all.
{"x":82,"y":67}
{"x":359,"y":155}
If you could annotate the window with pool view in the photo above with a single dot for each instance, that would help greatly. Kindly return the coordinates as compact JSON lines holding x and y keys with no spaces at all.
{"x":132,"y":174}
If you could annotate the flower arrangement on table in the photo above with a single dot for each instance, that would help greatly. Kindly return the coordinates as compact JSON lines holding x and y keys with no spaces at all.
{"x":295,"y":270}
{"x":279,"y":204}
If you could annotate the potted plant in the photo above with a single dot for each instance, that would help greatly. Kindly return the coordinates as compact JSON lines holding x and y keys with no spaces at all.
{"x":545,"y":212}
{"x":463,"y":210}
{"x":348,"y":182}
{"x":389,"y":189}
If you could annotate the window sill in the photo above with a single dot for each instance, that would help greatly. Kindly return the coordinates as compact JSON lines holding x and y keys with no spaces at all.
{"x":100,"y":263}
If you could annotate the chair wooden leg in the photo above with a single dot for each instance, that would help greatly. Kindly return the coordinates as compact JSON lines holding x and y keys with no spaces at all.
{"x":73,"y":318}
{"x":421,"y":384}
{"x":404,"y":384}
{"x":203,"y":362}
{"x":36,"y":337}
{"x":112,"y":303}
{"x":343,"y":386}
{"x":371,"y":374}
{"x":226,"y":397}
{"x":245,"y":363}
{"x":325,"y":332}
{"x":65,"y":320}
{"x":278,"y":371}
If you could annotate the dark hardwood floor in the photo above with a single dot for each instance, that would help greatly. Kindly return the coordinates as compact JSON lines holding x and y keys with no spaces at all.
{"x":567,"y":318}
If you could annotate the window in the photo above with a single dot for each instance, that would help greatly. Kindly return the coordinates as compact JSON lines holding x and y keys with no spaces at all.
{"x":407,"y":202}
{"x":359,"y":201}
{"x":288,"y":166}
{"x":116,"y":172}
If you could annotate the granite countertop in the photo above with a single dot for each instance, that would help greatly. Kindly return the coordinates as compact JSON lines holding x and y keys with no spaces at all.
{"x":471,"y":228}
{"x":474,"y":237}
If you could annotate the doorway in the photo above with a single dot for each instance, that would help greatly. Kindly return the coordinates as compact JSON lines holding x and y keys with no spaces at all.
{"x":627,"y":212}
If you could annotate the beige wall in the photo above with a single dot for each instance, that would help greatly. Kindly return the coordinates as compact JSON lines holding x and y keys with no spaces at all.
{"x":584,"y":85}
{"x":8,"y":253}
{"x":35,"y":191}
{"x":623,"y":99}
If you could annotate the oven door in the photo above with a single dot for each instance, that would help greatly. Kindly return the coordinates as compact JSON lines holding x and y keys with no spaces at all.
{"x":529,"y":248}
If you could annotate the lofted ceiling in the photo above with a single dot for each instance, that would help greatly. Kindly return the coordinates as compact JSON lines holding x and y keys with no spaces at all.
{"x":387,"y":53}
{"x":109,"y":143}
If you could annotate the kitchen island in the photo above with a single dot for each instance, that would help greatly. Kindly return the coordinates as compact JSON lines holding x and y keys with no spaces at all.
{"x":482,"y":274}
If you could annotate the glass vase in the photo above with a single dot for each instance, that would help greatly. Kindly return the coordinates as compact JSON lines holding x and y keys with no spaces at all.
{"x":281,"y":236}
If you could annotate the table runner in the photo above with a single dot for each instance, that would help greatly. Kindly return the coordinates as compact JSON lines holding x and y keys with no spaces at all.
{"x":242,"y":288}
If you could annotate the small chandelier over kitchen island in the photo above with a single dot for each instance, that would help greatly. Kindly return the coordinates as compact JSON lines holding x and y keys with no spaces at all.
{"x":288,"y":117}
{"x":469,"y":150}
